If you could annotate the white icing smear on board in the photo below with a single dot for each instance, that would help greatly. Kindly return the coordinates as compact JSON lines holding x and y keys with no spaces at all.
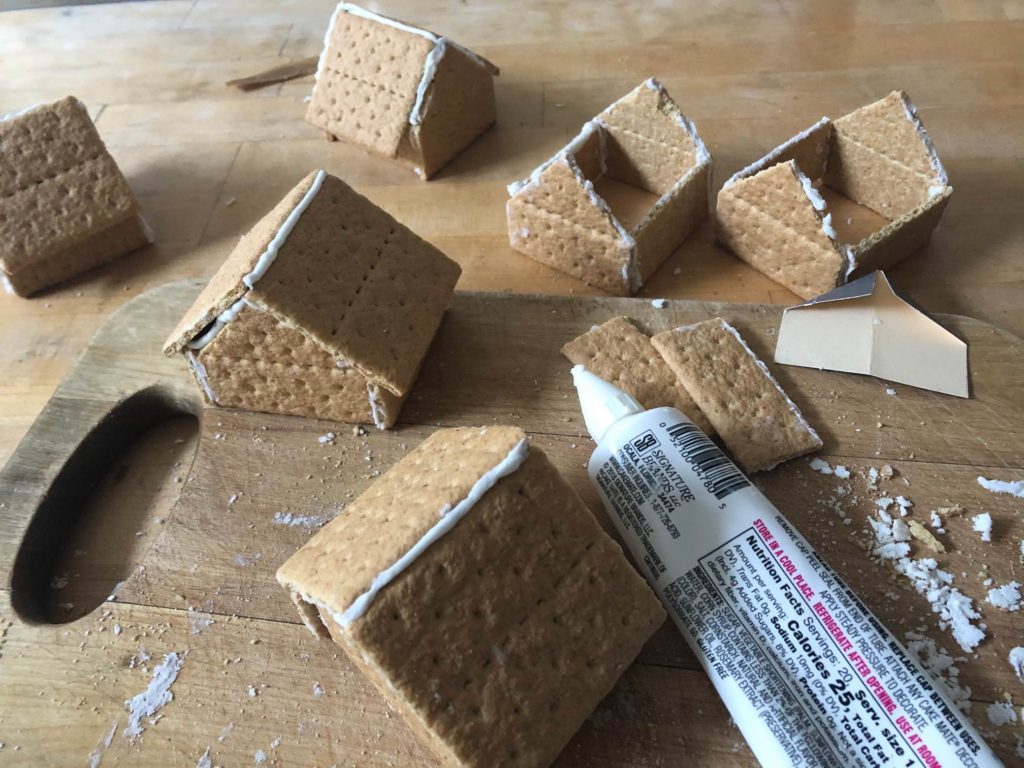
{"x":263,"y":263}
{"x":450,"y":516}
{"x":1011,"y":487}
{"x":157,"y":694}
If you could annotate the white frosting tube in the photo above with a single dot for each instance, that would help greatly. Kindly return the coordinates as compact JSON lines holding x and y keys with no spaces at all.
{"x":449,"y":518}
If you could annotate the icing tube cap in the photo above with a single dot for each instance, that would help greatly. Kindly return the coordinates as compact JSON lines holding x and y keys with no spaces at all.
{"x":602,"y":403}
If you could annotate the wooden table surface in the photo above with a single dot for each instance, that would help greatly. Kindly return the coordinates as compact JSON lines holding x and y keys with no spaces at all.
{"x":207,"y":160}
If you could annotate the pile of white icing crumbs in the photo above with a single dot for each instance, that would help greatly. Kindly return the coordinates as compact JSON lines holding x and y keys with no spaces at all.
{"x":145,"y":705}
{"x":1001,"y":713}
{"x":1016,"y":659}
{"x":1006,"y":597}
{"x":1010,"y":487}
{"x":955,"y":609}
{"x":822,"y":466}
{"x":983,"y":524}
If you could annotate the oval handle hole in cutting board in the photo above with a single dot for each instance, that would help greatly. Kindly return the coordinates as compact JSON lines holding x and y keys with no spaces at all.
{"x":105,"y":508}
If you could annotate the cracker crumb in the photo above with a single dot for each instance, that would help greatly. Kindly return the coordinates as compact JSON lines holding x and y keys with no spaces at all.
{"x":925,"y":536}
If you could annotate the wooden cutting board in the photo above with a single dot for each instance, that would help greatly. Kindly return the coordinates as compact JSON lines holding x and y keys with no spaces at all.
{"x":117,"y":482}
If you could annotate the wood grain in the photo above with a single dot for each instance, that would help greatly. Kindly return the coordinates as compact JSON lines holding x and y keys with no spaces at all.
{"x":198,"y":575}
{"x":208,"y":160}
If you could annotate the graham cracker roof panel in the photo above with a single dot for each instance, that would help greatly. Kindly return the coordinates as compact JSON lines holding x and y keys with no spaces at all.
{"x":657,"y":144}
{"x":361,"y":284}
{"x":340,"y":563}
{"x":881,"y":157}
{"x":514,"y":625}
{"x":367,"y":80}
{"x":809,"y":149}
{"x":58,"y":183}
{"x":226,"y":286}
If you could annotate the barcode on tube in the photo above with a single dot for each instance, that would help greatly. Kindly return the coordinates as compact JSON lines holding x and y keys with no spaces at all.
{"x":718,"y":474}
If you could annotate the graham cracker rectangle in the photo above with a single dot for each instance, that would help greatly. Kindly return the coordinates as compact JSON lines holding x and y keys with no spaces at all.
{"x":59,"y":188}
{"x":367,"y":80}
{"x":622,"y":354}
{"x":501,"y":637}
{"x":755,"y":418}
{"x":882,"y":158}
{"x":771,"y":221}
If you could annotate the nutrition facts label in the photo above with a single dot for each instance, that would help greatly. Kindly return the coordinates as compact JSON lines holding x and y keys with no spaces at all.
{"x":786,"y":643}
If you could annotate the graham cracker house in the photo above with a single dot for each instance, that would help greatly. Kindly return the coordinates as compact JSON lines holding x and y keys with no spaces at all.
{"x":479,"y":594}
{"x":842,"y":198}
{"x":400,"y":91}
{"x":65,"y":206}
{"x":325,"y":308}
{"x":614,"y":203}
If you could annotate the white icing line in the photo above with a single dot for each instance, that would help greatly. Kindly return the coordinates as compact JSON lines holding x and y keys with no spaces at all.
{"x":147,"y":230}
{"x":429,"y":72}
{"x":764,"y":369}
{"x":355,"y":10}
{"x":20,"y":112}
{"x":375,"y":410}
{"x":199,"y":371}
{"x":933,"y":156}
{"x":569,"y":149}
{"x":327,"y":39}
{"x":263,"y":263}
{"x":826,"y":220}
{"x":7,"y":284}
{"x":684,"y":122}
{"x":218,"y":323}
{"x":267,"y":257}
{"x":767,"y":160}
{"x":449,"y":518}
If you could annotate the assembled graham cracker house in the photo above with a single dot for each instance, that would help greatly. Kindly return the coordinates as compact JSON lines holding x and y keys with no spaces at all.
{"x":884,"y":192}
{"x":325,"y":308}
{"x":400,"y":91}
{"x":65,"y":207}
{"x":480,"y":595}
{"x":614,"y":203}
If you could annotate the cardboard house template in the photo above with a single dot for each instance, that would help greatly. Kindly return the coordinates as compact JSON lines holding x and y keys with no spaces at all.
{"x":325,"y":308}
{"x":474,"y":588}
{"x":842,"y":198}
{"x":400,"y":91}
{"x":65,"y":206}
{"x":614,"y":203}
{"x":867,"y":327}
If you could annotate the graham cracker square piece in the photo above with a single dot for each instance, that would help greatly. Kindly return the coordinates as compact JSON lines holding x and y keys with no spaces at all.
{"x":65,"y":206}
{"x":479,"y":594}
{"x":614,"y":203}
{"x":400,"y":91}
{"x":755,"y":418}
{"x":622,"y":354}
{"x":326,"y":308}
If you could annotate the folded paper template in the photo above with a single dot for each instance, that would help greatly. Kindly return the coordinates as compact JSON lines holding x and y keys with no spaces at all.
{"x":841,"y":198}
{"x":866,"y":327}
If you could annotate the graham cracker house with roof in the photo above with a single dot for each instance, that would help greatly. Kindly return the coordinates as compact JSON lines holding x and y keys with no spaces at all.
{"x":400,"y":91}
{"x":614,"y":203}
{"x":326,"y":308}
{"x":65,"y":206}
{"x":475,"y":589}
{"x":842,"y":198}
